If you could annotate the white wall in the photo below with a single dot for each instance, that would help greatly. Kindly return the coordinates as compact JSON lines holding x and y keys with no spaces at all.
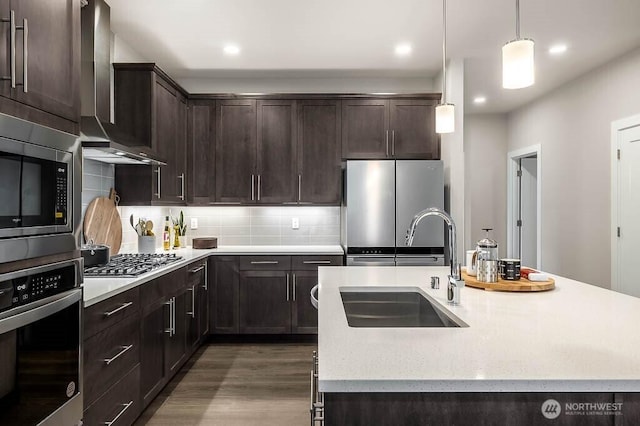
{"x":486,"y":178}
{"x":573,"y":126}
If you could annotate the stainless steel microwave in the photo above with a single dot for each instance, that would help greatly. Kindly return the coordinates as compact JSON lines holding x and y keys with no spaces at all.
{"x":40,"y":185}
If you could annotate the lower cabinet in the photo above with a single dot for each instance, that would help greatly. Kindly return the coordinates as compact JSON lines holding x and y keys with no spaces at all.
{"x":265,"y":294}
{"x":197,"y":313}
{"x":118,"y":406}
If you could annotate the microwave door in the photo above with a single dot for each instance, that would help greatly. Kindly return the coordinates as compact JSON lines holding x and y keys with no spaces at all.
{"x":10,"y":174}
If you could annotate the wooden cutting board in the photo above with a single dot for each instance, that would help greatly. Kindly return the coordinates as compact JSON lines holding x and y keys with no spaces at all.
{"x":521,"y":285}
{"x":102,"y":222}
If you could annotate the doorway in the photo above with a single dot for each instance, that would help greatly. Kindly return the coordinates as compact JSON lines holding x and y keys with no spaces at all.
{"x":625,"y":204}
{"x":523,"y":204}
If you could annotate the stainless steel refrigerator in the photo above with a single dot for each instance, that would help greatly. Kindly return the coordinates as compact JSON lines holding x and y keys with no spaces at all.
{"x":380,"y":199}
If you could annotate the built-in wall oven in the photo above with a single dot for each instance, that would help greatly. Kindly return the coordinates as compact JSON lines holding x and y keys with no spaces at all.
{"x":40,"y":176}
{"x":41,"y":345}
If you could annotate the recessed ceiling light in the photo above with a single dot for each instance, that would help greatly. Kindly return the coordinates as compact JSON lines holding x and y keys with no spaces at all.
{"x":479,"y":100}
{"x":558,"y":49}
{"x":231,"y":49}
{"x":403,"y":49}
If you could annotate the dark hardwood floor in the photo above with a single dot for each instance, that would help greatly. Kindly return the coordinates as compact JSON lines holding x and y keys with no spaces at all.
{"x":238,"y":384}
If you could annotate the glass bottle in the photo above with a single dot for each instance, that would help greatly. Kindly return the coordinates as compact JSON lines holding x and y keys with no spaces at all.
{"x":166,"y":234}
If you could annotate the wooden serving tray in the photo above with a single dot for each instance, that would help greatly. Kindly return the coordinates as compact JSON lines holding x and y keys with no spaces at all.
{"x":521,"y":285}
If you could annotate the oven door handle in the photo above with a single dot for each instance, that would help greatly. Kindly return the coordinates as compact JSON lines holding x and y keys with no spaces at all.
{"x":50,"y":306}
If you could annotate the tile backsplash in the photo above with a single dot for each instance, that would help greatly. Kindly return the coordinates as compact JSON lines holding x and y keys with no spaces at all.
{"x":97,"y":179}
{"x":244,"y":225}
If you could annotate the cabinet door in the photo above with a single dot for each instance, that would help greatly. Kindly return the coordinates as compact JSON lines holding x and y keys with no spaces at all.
{"x":154,"y":324}
{"x":224,"y":297}
{"x":203,"y":304}
{"x":53,"y":60}
{"x":175,"y":344}
{"x":413,"y":129}
{"x":304,"y":317}
{"x":235,"y":151}
{"x":365,"y":125}
{"x":276,"y":152}
{"x":197,"y":305}
{"x":201,"y":152}
{"x":265,"y":302}
{"x":180,"y":149}
{"x":166,"y":136}
{"x":319,"y":151}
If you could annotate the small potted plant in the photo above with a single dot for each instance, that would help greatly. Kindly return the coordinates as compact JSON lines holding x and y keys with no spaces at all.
{"x":180,"y":228}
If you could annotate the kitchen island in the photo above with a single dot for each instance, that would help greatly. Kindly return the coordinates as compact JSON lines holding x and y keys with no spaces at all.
{"x":577,"y":343}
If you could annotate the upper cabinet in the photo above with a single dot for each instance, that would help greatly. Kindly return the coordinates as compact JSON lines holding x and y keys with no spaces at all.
{"x":153,"y":109}
{"x":389,"y":128}
{"x":319,"y":151}
{"x":201,"y":152}
{"x":40,"y":62}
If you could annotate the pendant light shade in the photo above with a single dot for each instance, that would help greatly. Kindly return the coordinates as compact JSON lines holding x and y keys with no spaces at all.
{"x":445,"y":113}
{"x":445,"y":118}
{"x":518,"y":69}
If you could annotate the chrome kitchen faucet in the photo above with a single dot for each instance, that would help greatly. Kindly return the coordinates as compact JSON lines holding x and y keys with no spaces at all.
{"x":455,"y":278}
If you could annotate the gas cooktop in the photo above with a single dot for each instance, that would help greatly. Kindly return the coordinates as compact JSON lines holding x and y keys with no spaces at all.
{"x":131,"y":265}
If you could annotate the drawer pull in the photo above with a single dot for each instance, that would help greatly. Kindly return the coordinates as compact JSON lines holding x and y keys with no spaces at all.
{"x":317,"y":262}
{"x":123,"y":306}
{"x":124,"y":349}
{"x":264,"y":262}
{"x":115,"y":419}
{"x":198,"y":269}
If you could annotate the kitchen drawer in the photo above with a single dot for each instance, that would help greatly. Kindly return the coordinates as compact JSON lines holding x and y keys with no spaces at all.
{"x":104,"y":314}
{"x":196,"y":272}
{"x":109,"y":355}
{"x":265,"y":263}
{"x":311,"y":263}
{"x":163,"y":286}
{"x":120,"y":405}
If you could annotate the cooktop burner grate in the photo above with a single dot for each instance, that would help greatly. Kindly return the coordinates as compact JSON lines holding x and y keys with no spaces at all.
{"x":131,"y":265}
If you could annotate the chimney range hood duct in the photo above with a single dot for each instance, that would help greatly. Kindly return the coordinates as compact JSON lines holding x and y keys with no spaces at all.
{"x":102,"y":140}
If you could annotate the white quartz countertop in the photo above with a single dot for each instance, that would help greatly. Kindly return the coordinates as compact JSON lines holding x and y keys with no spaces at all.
{"x":99,"y":289}
{"x":575,"y":338}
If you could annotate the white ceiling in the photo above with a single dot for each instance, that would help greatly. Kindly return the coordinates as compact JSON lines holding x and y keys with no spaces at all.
{"x":351,"y":38}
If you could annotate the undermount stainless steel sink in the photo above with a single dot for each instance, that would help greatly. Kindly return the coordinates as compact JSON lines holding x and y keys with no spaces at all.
{"x":375,"y":307}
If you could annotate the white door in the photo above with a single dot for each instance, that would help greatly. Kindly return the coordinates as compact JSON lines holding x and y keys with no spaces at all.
{"x":528,"y":211}
{"x":628,"y":208}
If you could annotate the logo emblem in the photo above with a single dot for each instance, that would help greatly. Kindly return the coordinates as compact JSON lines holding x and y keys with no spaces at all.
{"x":71,"y":389}
{"x":551,"y":409}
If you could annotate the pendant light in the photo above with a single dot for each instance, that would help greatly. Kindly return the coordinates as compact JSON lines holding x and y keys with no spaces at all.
{"x":517,"y":60}
{"x":445,"y":113}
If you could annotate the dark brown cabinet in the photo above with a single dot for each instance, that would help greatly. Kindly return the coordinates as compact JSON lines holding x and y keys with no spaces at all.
{"x":224,"y":295}
{"x":264,"y":302}
{"x":46,"y":83}
{"x":111,"y":358}
{"x":235,"y":151}
{"x":389,"y":128}
{"x":197,"y":310}
{"x":163,"y":331}
{"x":201,"y":152}
{"x":152,"y":108}
{"x":319,"y":151}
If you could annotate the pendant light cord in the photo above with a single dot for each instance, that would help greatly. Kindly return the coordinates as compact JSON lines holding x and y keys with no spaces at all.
{"x":517,"y":19}
{"x":444,"y":51}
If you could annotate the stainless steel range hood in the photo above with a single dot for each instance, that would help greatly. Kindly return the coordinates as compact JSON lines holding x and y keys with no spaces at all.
{"x":102,"y":140}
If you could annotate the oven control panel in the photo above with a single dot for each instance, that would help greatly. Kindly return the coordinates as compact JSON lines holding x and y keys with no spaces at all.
{"x":30,"y":288}
{"x":61,"y":194}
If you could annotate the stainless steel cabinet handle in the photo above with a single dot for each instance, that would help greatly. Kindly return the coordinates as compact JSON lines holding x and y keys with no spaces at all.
{"x":287,"y":287}
{"x":171,"y":330}
{"x":393,"y":143}
{"x":294,"y":287}
{"x":192,"y":313}
{"x":387,"y":142}
{"x":253,"y":190}
{"x":206,"y":277}
{"x":259,"y":186}
{"x":181,"y":177}
{"x":116,"y":356}
{"x":264,"y":262}
{"x":299,"y":187}
{"x":198,"y":269}
{"x":118,"y":309}
{"x":158,"y":181}
{"x":115,"y":419}
{"x":317,"y":262}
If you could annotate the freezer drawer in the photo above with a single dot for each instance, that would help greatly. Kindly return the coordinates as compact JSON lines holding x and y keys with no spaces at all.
{"x":420,"y":261}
